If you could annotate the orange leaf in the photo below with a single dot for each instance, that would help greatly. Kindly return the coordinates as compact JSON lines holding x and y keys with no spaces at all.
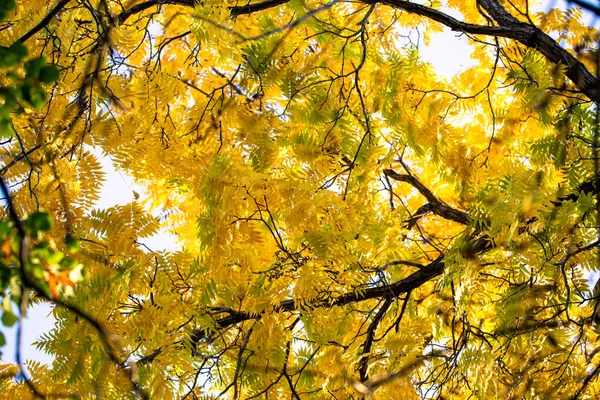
{"x":6,"y":247}
{"x":52,"y":286}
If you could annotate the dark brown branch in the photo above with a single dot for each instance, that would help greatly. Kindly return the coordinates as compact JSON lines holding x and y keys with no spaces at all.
{"x":445,"y":19}
{"x":255,"y":7}
{"x":400,"y":262}
{"x":586,"y":6}
{"x":593,"y":373}
{"x":511,"y":28}
{"x":402,"y":311}
{"x":422,"y":211}
{"x":149,"y":358}
{"x":508,"y":27}
{"x":425,"y":274}
{"x":18,"y":158}
{"x":42,"y":24}
{"x":234,"y":11}
{"x":436,"y":205}
{"x":363,"y":364}
{"x":138,"y":8}
{"x":591,"y":185}
{"x":534,"y":38}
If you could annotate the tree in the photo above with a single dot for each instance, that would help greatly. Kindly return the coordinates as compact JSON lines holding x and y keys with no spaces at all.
{"x":351,"y":225}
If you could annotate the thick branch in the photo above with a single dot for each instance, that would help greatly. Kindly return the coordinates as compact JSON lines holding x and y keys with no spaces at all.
{"x":436,"y":205}
{"x":534,"y":38}
{"x":445,"y":19}
{"x":587,"y":6}
{"x":255,"y":7}
{"x":234,"y":11}
{"x":591,"y":185}
{"x":433,"y":269}
{"x":138,"y":8}
{"x":511,"y":28}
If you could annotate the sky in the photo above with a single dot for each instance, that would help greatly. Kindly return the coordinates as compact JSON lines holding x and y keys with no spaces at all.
{"x":448,"y":53}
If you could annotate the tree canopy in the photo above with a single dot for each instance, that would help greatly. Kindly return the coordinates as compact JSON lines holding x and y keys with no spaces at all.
{"x":349,"y":223}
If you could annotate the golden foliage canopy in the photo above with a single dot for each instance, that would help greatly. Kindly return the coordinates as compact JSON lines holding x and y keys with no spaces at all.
{"x":350,"y":224}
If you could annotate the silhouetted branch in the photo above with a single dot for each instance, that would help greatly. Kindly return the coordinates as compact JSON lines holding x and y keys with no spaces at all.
{"x":586,"y":6}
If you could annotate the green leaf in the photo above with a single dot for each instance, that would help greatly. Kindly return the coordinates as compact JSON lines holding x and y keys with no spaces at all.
{"x":4,"y":229}
{"x":9,"y":319}
{"x":6,"y":129}
{"x":39,"y":222}
{"x":55,"y":257}
{"x":12,"y":55}
{"x":72,"y":243}
{"x":35,"y":95}
{"x":10,"y":96}
{"x":38,"y":272}
{"x":34,"y":67}
{"x":68,"y":263}
{"x":7,"y":5}
{"x":2,"y":339}
{"x":5,"y":275}
{"x":49,"y":74}
{"x":19,"y":50}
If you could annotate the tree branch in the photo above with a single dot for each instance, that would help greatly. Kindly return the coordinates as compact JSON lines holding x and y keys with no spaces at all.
{"x":109,"y":340}
{"x":511,"y":28}
{"x":138,"y":8}
{"x":18,"y":158}
{"x":444,"y":19}
{"x":592,"y":374}
{"x":436,"y":205}
{"x":587,"y":6}
{"x":234,"y":11}
{"x":42,"y":24}
{"x":425,"y":274}
{"x":255,"y":7}
{"x":363,"y":364}
{"x":534,"y":38}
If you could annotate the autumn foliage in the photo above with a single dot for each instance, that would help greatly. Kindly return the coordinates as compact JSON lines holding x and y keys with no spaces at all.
{"x":349,"y":223}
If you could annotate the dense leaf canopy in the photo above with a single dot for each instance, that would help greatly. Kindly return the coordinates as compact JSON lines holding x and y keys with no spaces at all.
{"x":350,"y":224}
